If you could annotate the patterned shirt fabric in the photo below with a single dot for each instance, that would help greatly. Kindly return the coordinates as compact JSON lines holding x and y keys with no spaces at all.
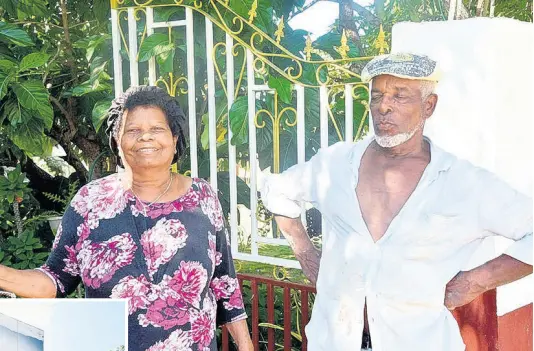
{"x":173,"y":264}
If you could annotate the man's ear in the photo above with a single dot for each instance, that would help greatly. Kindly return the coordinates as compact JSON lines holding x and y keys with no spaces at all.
{"x":429,"y":105}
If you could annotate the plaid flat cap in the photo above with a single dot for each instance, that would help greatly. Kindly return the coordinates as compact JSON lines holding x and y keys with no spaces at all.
{"x":402,"y":65}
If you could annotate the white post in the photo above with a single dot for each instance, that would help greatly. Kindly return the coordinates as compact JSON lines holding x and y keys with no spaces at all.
{"x":117,"y":61}
{"x":452,"y":10}
{"x":149,"y":31}
{"x":301,"y":135}
{"x":212,"y":113}
{"x":323,"y":117}
{"x":230,"y":86}
{"x":252,"y":152}
{"x":132,"y":47}
{"x":191,"y":99}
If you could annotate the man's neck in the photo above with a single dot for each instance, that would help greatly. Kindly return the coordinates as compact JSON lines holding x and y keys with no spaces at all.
{"x":415,"y":146}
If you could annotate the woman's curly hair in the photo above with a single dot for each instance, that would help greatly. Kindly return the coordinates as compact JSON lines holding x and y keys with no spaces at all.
{"x":152,"y":96}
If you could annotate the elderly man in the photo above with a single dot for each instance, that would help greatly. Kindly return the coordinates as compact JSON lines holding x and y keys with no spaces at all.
{"x":403,"y":218}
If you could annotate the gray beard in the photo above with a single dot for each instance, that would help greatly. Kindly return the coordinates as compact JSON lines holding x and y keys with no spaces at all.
{"x":389,"y":141}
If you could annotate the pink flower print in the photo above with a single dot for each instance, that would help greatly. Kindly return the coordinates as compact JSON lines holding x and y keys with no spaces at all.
{"x":210,"y":206}
{"x":189,"y":282}
{"x":166,"y":313}
{"x":101,"y":199}
{"x":236,"y":301}
{"x":100,"y":261}
{"x":179,"y":340}
{"x":161,"y":242}
{"x":187,"y":202}
{"x":71,"y":262}
{"x":223,"y":287}
{"x":203,"y":325}
{"x":135,"y":289}
{"x":214,"y":255}
{"x":59,"y":233}
{"x":83,"y":232}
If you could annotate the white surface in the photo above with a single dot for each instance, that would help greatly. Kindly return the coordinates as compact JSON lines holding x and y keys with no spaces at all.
{"x":21,"y":327}
{"x":232,"y":162}
{"x":132,"y":47}
{"x":191,"y":98}
{"x":212,"y":113}
{"x":251,"y":91}
{"x":484,"y":112}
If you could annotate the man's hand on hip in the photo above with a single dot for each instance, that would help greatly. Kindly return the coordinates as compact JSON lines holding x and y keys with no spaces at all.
{"x":461,"y":290}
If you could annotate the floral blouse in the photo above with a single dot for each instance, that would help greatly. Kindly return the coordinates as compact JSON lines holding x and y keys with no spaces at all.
{"x":173,"y":264}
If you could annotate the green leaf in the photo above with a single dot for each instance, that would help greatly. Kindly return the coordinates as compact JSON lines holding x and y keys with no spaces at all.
{"x":10,"y":6}
{"x":41,"y":256}
{"x":5,"y":80}
{"x":204,"y":137}
{"x":101,"y":10}
{"x":14,"y":35}
{"x":162,"y":14}
{"x":34,"y":96}
{"x":29,"y":135}
{"x":165,"y":60}
{"x":264,"y":19}
{"x":91,"y":43}
{"x":7,"y":66}
{"x":100,"y":113}
{"x":33,"y":60}
{"x":29,"y":8}
{"x":91,"y":87}
{"x":156,"y":44}
{"x":282,"y":87}
{"x":238,"y":115}
{"x":13,"y":112}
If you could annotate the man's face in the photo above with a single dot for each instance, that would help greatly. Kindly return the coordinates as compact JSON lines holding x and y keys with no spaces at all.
{"x":398,"y":109}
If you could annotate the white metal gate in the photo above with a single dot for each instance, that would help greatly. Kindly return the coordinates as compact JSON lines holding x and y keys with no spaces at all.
{"x":335,"y":81}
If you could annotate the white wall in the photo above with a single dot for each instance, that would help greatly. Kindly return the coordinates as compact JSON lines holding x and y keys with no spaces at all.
{"x":485,"y":110}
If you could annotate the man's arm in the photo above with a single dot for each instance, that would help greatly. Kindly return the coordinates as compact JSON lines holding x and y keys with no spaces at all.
{"x":466,"y":286}
{"x":297,"y":237}
{"x":27,"y":283}
{"x":505,"y":212}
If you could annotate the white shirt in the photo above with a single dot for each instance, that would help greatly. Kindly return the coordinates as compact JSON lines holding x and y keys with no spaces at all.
{"x":403,"y":275}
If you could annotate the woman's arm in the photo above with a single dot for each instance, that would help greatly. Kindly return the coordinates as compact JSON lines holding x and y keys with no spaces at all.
{"x":240,"y":334}
{"x":27,"y":283}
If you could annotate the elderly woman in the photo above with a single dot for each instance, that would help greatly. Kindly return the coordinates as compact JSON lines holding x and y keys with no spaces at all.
{"x":148,"y":235}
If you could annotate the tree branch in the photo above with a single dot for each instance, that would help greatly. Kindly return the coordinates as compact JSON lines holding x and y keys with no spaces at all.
{"x":71,"y":157}
{"x":68,"y":45}
{"x":68,"y":117}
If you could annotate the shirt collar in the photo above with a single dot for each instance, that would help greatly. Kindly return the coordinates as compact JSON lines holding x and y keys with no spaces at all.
{"x":440,"y":160}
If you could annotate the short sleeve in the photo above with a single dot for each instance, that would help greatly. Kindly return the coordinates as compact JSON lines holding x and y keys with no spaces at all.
{"x":282,"y":193}
{"x":507,"y":212}
{"x":62,"y":264}
{"x":224,"y":284}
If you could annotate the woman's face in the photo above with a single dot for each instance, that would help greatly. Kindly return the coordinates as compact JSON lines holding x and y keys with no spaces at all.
{"x":147,"y":141}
